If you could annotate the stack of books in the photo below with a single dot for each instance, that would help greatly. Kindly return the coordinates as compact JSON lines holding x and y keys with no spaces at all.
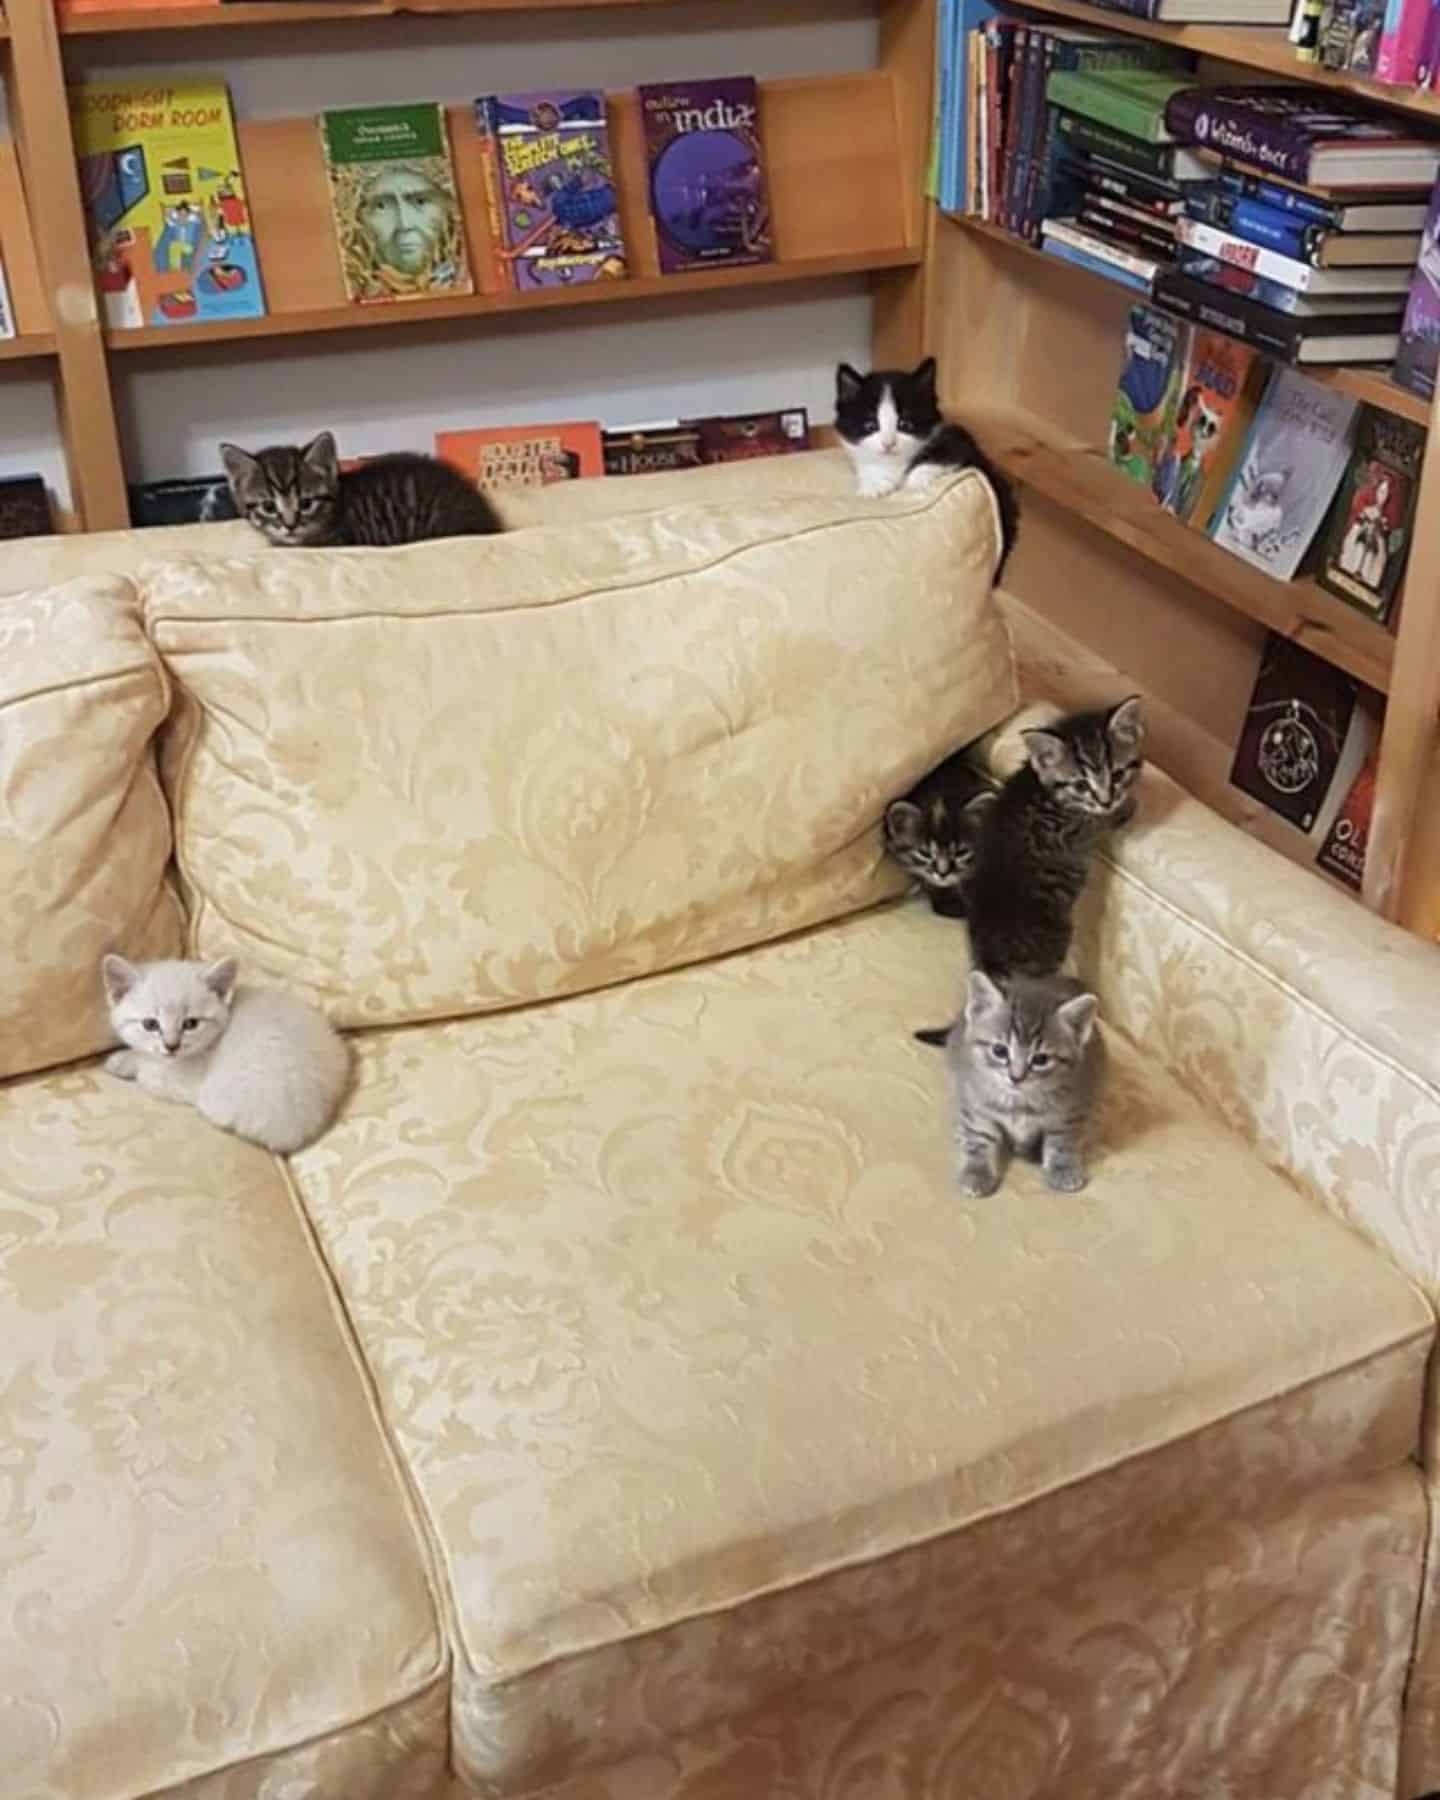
{"x":1305,"y":240}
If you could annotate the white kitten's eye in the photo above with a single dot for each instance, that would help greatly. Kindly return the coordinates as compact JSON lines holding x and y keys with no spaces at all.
{"x":191,"y":1025}
{"x":151,"y":1024}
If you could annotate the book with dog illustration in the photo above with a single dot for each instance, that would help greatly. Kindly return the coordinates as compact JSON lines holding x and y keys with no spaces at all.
{"x":1222,"y":386}
{"x":707,"y":173}
{"x":1368,"y":535}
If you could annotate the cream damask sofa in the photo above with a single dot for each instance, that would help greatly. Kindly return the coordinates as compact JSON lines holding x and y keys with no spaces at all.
{"x":620,"y":1403}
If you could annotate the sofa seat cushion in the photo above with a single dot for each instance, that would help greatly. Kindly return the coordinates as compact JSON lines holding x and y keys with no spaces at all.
{"x":463,"y":776}
{"x":712,"y":1383}
{"x":210,"y":1560}
{"x":84,"y":832}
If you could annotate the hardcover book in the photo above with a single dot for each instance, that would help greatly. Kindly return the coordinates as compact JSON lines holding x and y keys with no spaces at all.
{"x":550,"y":188}
{"x":742,"y":435}
{"x":1293,"y":133}
{"x":1221,"y":389}
{"x":651,"y":449}
{"x":1297,"y":237}
{"x":1294,"y":733}
{"x":1142,"y":414}
{"x":24,"y":507}
{"x":1399,"y":211}
{"x":1294,"y":460}
{"x":1367,"y":537}
{"x":1343,"y":852}
{"x":707,"y":173}
{"x":1387,"y":308}
{"x":1331,"y":337}
{"x":1289,"y":271}
{"x":1164,"y":162}
{"x":194,"y":501}
{"x":165,"y":211}
{"x":501,"y":456}
{"x":1132,"y":101}
{"x":398,"y":223}
{"x":1419,"y":352}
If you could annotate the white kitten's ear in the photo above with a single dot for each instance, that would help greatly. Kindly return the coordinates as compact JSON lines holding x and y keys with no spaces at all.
{"x":1049,"y":755}
{"x":321,"y":455}
{"x":903,"y":820}
{"x":1126,"y":724}
{"x":220,"y":978}
{"x":241,"y":468}
{"x":848,"y":382}
{"x":924,"y":374}
{"x":119,"y":977}
{"x":1078,"y":1017}
{"x":983,"y":999}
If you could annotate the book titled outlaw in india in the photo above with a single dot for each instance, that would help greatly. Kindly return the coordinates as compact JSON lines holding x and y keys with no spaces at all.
{"x":707,"y":174}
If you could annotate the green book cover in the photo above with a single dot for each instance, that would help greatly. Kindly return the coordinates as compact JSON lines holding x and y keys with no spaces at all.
{"x":398,"y":220}
{"x":1129,"y":100}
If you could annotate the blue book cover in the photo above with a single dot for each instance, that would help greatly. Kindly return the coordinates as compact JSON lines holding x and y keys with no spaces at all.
{"x":958,"y":18}
{"x":1286,"y":232}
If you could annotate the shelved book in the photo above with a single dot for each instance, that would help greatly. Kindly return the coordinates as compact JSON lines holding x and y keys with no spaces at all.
{"x":1165,"y":162}
{"x":1295,"y":135}
{"x":1304,"y":276}
{"x":1367,"y":537}
{"x":736,"y":437}
{"x":1203,"y":12}
{"x":1301,"y":720}
{"x":501,"y":456}
{"x":1342,"y":854}
{"x":1285,"y":233}
{"x":653,"y":449}
{"x":24,"y":507}
{"x":1419,"y":345}
{"x":1132,"y":101}
{"x":186,"y":500}
{"x":708,"y":196}
{"x":1142,"y":414}
{"x":1099,"y":254}
{"x":165,"y":210}
{"x":1293,"y":462}
{"x":1334,"y":336}
{"x":398,"y":222}
{"x":1384,"y":310}
{"x":550,"y":188}
{"x":1219,"y":392}
{"x":1403,"y":209}
{"x":7,"y":314}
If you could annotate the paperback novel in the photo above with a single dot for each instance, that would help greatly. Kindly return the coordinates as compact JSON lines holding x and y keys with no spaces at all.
{"x":651,"y":449}
{"x":1419,"y":352}
{"x":1343,"y":852}
{"x":398,"y":223}
{"x":501,"y":456}
{"x":550,"y":188}
{"x":1142,"y":415}
{"x":1295,"y":732}
{"x":1219,"y":394}
{"x":1368,"y":534}
{"x":165,"y":210}
{"x":707,"y":174}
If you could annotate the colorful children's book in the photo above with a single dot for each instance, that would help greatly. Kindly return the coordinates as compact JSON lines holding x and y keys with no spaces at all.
{"x":738,"y":436}
{"x":707,"y":173}
{"x":1419,"y":352}
{"x":165,"y":209}
{"x":1295,"y":731}
{"x":1327,"y":140}
{"x":1219,"y":394}
{"x":398,"y":223}
{"x":1343,"y":852}
{"x":501,"y":456}
{"x":25,"y":507}
{"x":1293,"y":462}
{"x":654,"y":449}
{"x":194,"y":500}
{"x":1367,"y":537}
{"x":7,"y":315}
{"x":550,"y":188}
{"x":1142,"y":415}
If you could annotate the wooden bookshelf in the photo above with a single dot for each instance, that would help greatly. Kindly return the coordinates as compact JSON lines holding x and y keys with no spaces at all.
{"x":246,"y":13}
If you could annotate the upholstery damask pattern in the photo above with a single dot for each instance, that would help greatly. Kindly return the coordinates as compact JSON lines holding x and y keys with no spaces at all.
{"x":521,"y":806}
{"x":209,"y":1556}
{"x":84,"y":830}
{"x":685,"y":1335}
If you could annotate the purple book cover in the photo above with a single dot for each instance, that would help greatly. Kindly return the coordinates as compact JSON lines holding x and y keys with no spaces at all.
{"x":1274,"y":130}
{"x":551,"y":188}
{"x":707,"y":174}
{"x":1419,"y":352}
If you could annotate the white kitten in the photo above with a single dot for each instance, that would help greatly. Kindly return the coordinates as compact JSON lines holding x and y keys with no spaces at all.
{"x":252,"y":1061}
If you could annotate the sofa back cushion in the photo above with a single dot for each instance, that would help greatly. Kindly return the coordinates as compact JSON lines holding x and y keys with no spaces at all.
{"x":475,"y":774}
{"x":84,"y":832}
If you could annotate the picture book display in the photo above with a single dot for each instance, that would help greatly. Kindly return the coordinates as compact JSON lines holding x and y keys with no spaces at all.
{"x":1295,"y":732}
{"x":25,"y":507}
{"x":550,"y":188}
{"x":1142,"y":415}
{"x":739,"y":436}
{"x":165,"y":209}
{"x":501,"y":456}
{"x":651,"y":449}
{"x":1419,"y":348}
{"x":1367,"y":537}
{"x":1294,"y":460}
{"x":1297,"y":135}
{"x":398,"y":223}
{"x":1221,"y":389}
{"x":708,"y":197}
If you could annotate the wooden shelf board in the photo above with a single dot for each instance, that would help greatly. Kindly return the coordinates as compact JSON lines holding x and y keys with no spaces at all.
{"x":305,"y":12}
{"x":1263,"y":47}
{"x":1082,"y":483}
{"x":29,"y":344}
{"x":1373,"y":386}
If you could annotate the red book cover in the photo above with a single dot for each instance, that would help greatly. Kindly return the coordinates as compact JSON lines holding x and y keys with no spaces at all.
{"x":1343,"y":852}
{"x":744,"y":435}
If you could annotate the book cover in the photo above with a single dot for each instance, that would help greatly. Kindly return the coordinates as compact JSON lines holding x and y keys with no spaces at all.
{"x":1299,"y":136}
{"x":1142,"y":414}
{"x":1288,"y":234}
{"x":1289,"y":271}
{"x":1294,"y":734}
{"x":7,"y":312}
{"x":24,"y":507}
{"x":738,"y":436}
{"x":1331,"y":337}
{"x":1294,"y":460}
{"x":1221,"y":389}
{"x":501,"y":456}
{"x":550,"y":188}
{"x":1342,"y":854}
{"x":1398,"y":57}
{"x":398,"y":222}
{"x":165,"y":209}
{"x":1106,"y":250}
{"x":651,"y":449}
{"x":707,"y":173}
{"x":1161,"y":198}
{"x":197,"y":500}
{"x":1367,"y":536}
{"x":1419,"y":352}
{"x":1350,"y":36}
{"x":1096,"y":261}
{"x":1429,"y":62}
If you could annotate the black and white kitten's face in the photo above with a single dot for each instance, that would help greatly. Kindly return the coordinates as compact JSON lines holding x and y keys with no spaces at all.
{"x":937,"y":844}
{"x":291,"y":496}
{"x":1089,"y":763}
{"x":885,"y":417}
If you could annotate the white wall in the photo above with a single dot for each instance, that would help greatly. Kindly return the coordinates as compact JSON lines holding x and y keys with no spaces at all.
{"x":382,"y":391}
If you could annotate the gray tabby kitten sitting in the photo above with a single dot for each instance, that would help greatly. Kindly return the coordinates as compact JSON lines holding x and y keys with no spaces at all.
{"x":301,"y":497}
{"x":934,"y":832}
{"x":1025,"y":1068}
{"x":1040,"y":835}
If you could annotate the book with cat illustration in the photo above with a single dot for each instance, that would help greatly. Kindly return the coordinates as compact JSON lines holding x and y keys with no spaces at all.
{"x":708,"y":196}
{"x":399,"y":228}
{"x":1221,"y":388}
{"x":1419,"y":351}
{"x":501,"y":456}
{"x":1294,"y":460}
{"x":1367,"y":537}
{"x":1295,"y":731}
{"x":25,"y":507}
{"x":1142,"y":414}
{"x":738,"y":436}
{"x":653,"y":449}
{"x":550,"y":188}
{"x":165,"y":209}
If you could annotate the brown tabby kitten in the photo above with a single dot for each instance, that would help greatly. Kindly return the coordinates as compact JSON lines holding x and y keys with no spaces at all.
{"x":296,"y":497}
{"x":934,"y":831}
{"x":1040,"y":835}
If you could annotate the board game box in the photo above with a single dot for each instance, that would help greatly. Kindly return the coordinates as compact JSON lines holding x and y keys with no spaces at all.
{"x":501,"y":456}
{"x":707,"y":174}
{"x":550,"y":188}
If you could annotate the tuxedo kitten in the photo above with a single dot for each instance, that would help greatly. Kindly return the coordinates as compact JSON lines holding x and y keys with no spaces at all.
{"x":933,"y":833}
{"x":296,"y":497}
{"x":1025,"y":1066}
{"x":1039,"y":837}
{"x":890,"y":422}
{"x":250,"y":1060}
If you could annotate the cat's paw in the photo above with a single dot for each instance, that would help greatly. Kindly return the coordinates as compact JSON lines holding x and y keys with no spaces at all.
{"x":1066,"y":1175}
{"x":978,"y":1179}
{"x":124,"y":1065}
{"x":925,"y":476}
{"x":874,"y":481}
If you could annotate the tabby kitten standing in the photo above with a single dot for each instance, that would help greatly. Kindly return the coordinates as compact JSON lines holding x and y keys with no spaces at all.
{"x":301,"y":497}
{"x":1040,"y":835}
{"x":934,"y":831}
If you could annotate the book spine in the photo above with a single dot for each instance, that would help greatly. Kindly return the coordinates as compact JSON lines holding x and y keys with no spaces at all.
{"x":1014,"y":98}
{"x":1042,"y":148}
{"x":1429,"y":48}
{"x":1126,"y":152}
{"x":1269,"y":332}
{"x":1400,"y":42}
{"x":1142,"y":237}
{"x":1112,"y":106}
{"x":1096,"y":265}
{"x":1257,"y":224}
{"x":494,"y":197}
{"x":1254,"y":258}
{"x":997,"y":77}
{"x":1198,"y":116}
{"x":1134,"y":190}
{"x":1063,"y":231}
{"x":1281,"y":199}
{"x":1029,"y":85}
